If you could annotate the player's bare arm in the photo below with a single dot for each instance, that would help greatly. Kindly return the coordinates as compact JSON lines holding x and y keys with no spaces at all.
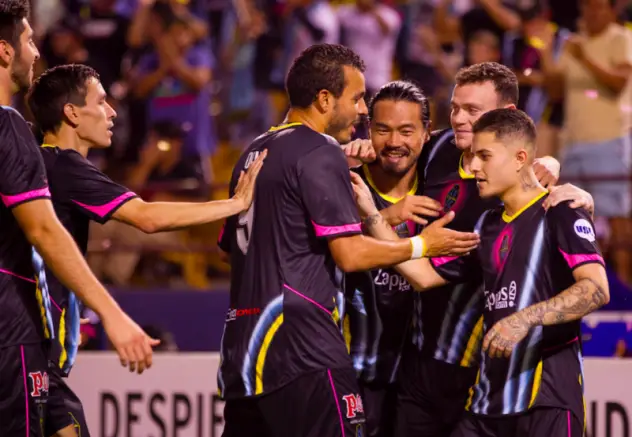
{"x":153,"y":217}
{"x":589,"y":293}
{"x":44,"y":231}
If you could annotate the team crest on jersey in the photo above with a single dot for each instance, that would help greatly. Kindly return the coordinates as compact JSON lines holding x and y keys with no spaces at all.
{"x":502,"y":246}
{"x":359,"y":432}
{"x":452,"y":196}
{"x":354,"y":405}
{"x":584,"y":230}
{"x":40,"y":383}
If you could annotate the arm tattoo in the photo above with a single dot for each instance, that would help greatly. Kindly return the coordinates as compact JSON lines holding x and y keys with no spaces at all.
{"x":373,"y":220}
{"x":583,"y":297}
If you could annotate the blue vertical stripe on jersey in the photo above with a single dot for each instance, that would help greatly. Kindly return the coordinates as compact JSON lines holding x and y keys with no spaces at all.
{"x":527,"y":290}
{"x":359,"y":341}
{"x":266,"y":321}
{"x":73,"y":332}
{"x":42,"y":288}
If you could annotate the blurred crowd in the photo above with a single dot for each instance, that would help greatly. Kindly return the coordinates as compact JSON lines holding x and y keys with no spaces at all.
{"x":193,"y":81}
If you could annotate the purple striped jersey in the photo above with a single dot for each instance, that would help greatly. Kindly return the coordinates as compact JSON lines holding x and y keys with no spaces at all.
{"x":80,"y":193}
{"x":22,"y":179}
{"x":525,"y":259}
{"x":285,"y":293}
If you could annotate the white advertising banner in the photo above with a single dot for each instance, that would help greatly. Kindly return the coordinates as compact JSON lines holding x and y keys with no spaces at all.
{"x":178,"y":396}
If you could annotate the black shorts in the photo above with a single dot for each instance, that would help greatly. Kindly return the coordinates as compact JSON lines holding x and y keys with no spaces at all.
{"x":326,"y":403}
{"x":380,"y":407}
{"x":538,"y":422}
{"x":23,"y":390}
{"x":64,"y":408}
{"x":431,"y":397}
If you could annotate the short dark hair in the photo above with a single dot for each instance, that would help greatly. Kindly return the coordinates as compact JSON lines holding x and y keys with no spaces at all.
{"x":402,"y":90}
{"x":504,"y":80}
{"x":317,"y":68}
{"x":507,"y":124}
{"x":55,"y":88}
{"x":11,"y":14}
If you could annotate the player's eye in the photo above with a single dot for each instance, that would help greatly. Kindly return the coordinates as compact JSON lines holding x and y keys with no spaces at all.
{"x":407,"y":133}
{"x":382,"y":131}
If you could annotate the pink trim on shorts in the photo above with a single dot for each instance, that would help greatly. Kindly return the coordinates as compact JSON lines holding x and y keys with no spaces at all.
{"x":26,"y":392}
{"x":330,"y":231}
{"x":333,"y":388}
{"x":6,"y":272}
{"x":307,"y":299}
{"x":568,"y":415}
{"x":561,"y":345}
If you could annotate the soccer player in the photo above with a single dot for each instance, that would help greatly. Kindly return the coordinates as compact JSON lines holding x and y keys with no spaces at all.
{"x":69,"y":105}
{"x":541,"y":272}
{"x":27,"y":217}
{"x":445,"y":329}
{"x":285,"y":370}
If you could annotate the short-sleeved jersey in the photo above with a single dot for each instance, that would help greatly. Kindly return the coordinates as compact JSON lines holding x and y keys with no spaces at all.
{"x":447,"y":323}
{"x":378,"y":307}
{"x":22,"y":179}
{"x":286,"y":292}
{"x":525,"y":259}
{"x":80,"y":193}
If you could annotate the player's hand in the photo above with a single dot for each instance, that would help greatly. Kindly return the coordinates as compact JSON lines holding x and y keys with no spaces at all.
{"x":359,"y":152}
{"x":363,"y":197}
{"x":245,"y":189}
{"x":132,"y":344}
{"x":578,"y":197}
{"x":412,"y":208}
{"x":575,"y":46}
{"x":440,"y":241}
{"x":547,"y":170}
{"x":501,"y":340}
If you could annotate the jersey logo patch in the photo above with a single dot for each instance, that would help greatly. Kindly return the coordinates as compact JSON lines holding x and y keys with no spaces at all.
{"x":452,"y":196}
{"x":584,"y":230}
{"x":354,"y":405}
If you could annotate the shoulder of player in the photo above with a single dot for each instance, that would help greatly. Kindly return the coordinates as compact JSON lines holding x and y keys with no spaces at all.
{"x":12,"y":117}
{"x":562,"y":212}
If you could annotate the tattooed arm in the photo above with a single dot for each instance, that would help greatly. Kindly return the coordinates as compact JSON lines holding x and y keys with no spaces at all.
{"x":587,"y":294}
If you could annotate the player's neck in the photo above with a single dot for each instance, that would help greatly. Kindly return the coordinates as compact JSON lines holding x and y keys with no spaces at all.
{"x":66,"y":138}
{"x":307,"y":118}
{"x":466,"y":162}
{"x":6,"y":87}
{"x":392,"y":185}
{"x":522,"y":193}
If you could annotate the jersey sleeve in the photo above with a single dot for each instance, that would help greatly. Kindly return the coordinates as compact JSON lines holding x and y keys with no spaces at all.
{"x":22,"y":171}
{"x":325,"y":186}
{"x":457,"y":269}
{"x":79,"y":184}
{"x":573,"y":232}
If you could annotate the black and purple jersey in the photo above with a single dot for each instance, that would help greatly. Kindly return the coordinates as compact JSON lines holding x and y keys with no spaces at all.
{"x":522,"y":260}
{"x":80,"y":193}
{"x":285,"y":294}
{"x":379,"y":306}
{"x":24,"y":304}
{"x":447,"y":323}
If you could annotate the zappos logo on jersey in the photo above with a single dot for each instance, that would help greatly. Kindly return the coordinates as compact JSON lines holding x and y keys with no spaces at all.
{"x":503,"y":298}
{"x":584,"y":230}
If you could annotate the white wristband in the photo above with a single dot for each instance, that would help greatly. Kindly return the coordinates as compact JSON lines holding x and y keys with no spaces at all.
{"x":419,"y":247}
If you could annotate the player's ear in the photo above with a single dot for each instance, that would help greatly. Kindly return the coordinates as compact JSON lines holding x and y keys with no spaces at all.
{"x":324,"y":101}
{"x":71,"y":114}
{"x":522,"y":158}
{"x":7,"y":53}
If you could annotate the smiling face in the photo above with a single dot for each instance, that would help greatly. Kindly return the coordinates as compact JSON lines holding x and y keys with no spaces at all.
{"x":348,"y":108}
{"x":469,"y":102}
{"x":397,"y":134}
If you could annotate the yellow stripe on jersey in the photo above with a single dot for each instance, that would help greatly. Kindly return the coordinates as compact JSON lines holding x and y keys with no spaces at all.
{"x":48,"y":145}
{"x":509,"y":218}
{"x":391,"y":199}
{"x":581,"y":382}
{"x":470,"y":398}
{"x":473,"y":344}
{"x":462,"y":173}
{"x":261,"y":358}
{"x":335,"y":314}
{"x":283,"y":126}
{"x":537,"y":380}
{"x":62,"y":339}
{"x":346,"y":333}
{"x":40,"y":304}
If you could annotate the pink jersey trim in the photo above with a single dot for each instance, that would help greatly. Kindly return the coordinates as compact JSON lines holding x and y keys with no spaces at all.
{"x":575,"y":259}
{"x":307,"y":299}
{"x":10,"y":200}
{"x":333,"y":388}
{"x":442,"y":260}
{"x":328,"y":231}
{"x":103,"y":210}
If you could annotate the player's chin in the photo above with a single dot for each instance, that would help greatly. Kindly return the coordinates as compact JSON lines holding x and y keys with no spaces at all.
{"x":463,"y":141}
